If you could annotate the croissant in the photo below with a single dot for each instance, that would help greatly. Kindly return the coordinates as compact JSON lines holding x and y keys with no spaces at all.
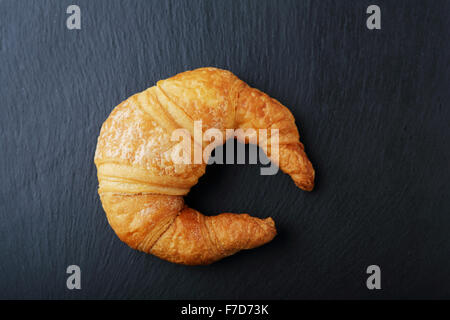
{"x":141,"y":188}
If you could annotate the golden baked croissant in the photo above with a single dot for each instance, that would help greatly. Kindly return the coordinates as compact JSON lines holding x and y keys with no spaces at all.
{"x":142,"y":188}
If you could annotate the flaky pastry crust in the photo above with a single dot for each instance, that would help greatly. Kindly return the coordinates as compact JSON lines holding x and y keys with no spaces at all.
{"x":142,"y":189}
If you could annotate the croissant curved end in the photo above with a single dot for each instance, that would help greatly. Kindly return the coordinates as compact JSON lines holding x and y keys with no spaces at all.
{"x":141,"y":188}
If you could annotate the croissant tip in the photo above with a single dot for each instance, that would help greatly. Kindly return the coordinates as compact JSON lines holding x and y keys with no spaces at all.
{"x":270,"y":221}
{"x":308,"y":186}
{"x":270,"y":229}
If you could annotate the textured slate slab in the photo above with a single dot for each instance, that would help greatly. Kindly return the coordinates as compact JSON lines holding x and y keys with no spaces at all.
{"x":373,"y":112}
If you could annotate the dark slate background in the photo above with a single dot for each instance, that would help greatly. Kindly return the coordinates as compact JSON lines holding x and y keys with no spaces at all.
{"x":372,"y":109}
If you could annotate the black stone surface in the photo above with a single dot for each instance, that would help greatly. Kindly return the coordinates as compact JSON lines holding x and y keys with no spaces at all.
{"x":372,"y":109}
